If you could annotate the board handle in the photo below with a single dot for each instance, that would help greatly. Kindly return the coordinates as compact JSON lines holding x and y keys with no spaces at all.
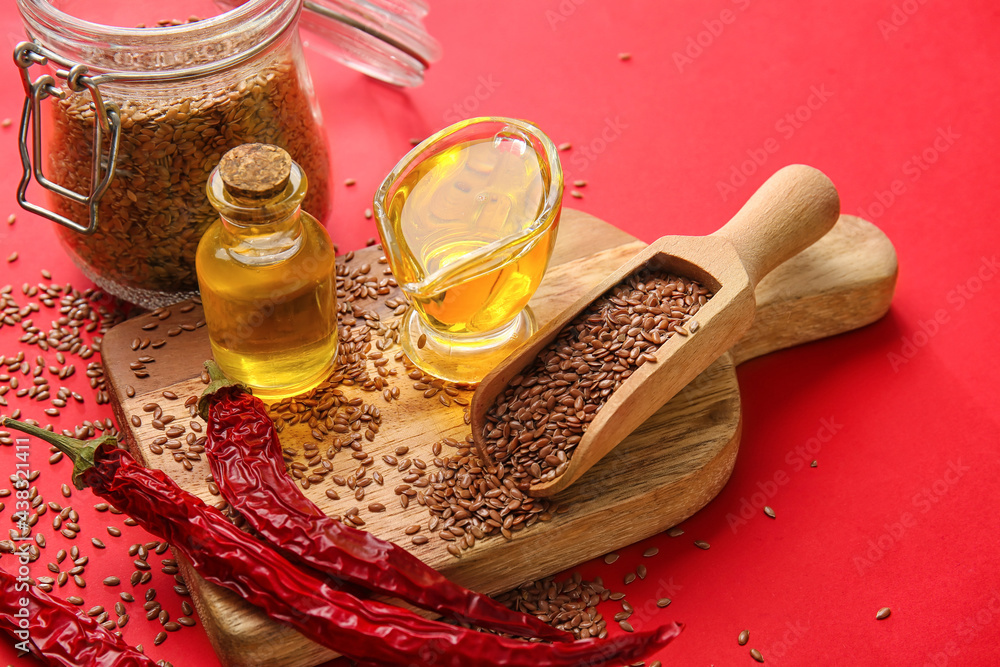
{"x":792,"y":210}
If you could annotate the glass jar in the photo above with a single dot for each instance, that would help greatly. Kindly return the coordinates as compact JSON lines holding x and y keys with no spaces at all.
{"x":160,"y":105}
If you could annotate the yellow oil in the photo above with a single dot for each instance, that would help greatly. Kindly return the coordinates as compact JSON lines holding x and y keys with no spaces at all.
{"x":269,"y":293}
{"x":468,"y":245}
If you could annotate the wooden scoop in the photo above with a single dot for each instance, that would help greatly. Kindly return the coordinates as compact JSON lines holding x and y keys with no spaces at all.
{"x":791,"y":211}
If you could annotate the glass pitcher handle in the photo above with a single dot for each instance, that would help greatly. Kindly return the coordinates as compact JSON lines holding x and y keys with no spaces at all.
{"x":106,"y":120}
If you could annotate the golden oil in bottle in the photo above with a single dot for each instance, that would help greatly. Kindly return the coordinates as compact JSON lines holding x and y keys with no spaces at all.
{"x":267,"y":276}
{"x":469,"y":229}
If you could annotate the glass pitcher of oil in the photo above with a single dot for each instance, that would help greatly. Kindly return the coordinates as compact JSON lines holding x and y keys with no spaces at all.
{"x":468,"y":221}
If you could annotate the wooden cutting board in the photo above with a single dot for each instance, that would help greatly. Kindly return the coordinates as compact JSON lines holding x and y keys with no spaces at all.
{"x":673,"y":465}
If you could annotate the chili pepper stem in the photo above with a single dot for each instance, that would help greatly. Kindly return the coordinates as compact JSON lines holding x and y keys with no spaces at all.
{"x":217,"y":382}
{"x":81,"y":452}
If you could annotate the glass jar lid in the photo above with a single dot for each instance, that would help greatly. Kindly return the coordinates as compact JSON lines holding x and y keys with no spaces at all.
{"x":384,"y":39}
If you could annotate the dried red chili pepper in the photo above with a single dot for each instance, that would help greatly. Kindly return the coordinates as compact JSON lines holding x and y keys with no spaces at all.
{"x":369,"y":631}
{"x":52,"y":630}
{"x":247,"y":465}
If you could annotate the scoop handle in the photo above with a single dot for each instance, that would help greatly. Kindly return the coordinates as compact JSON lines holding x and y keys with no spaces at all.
{"x":792,"y":210}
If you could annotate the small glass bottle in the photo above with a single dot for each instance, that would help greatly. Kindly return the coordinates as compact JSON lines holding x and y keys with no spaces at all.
{"x":267,"y":275}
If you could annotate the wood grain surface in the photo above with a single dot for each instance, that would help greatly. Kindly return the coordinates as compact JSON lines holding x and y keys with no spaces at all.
{"x":793,"y":209}
{"x":670,"y":467}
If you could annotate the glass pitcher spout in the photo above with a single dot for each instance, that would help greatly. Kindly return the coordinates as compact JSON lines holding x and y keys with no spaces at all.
{"x":468,"y":221}
{"x":476,"y":195}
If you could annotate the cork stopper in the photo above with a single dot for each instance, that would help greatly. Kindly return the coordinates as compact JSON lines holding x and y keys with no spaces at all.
{"x":255,"y":171}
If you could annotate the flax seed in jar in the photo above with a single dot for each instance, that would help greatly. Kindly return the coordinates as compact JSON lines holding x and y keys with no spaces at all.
{"x":161,"y":98}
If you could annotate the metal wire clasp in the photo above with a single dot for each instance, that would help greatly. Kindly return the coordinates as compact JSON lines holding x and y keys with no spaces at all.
{"x":106,"y":120}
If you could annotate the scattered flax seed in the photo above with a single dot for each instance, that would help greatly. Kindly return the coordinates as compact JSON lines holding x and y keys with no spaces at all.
{"x":570,"y":604}
{"x":743,"y":638}
{"x":624,"y":56}
{"x":650,"y":552}
{"x":368,"y":214}
{"x":576,"y":194}
{"x":610,"y":558}
{"x":414,"y":141}
{"x":883,"y":613}
{"x":580,"y":184}
{"x":112,"y":581}
{"x":626,"y":626}
{"x":6,"y":122}
{"x":702,"y":545}
{"x":349,"y":182}
{"x":12,"y":257}
{"x":421,"y":341}
{"x":814,"y":464}
{"x":629,"y":578}
{"x":11,"y":219}
{"x":675,"y":532}
{"x":641,"y":571}
{"x":756,"y":655}
{"x":663,"y":602}
{"x":769,"y":512}
{"x":566,"y":146}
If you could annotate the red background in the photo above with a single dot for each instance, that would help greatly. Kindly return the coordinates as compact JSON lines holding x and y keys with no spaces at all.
{"x":885,"y":79}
